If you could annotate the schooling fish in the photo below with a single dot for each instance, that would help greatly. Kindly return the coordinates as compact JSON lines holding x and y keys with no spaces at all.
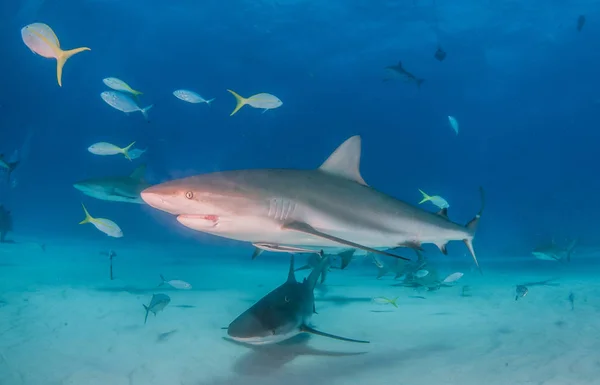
{"x":107,"y":226}
{"x":262,"y":100}
{"x":157,"y":303}
{"x":191,"y":97}
{"x":175,"y":283}
{"x":42,"y":40}
{"x":282,"y":314}
{"x":104,"y":148}
{"x":124,"y":103}
{"x":398,"y":71}
{"x":120,"y":85}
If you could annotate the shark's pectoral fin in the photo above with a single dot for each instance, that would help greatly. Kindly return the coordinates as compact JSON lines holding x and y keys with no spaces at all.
{"x":307,"y":229}
{"x":346,"y":257}
{"x":308,"y":329}
{"x":305,"y":267}
{"x":256,"y":253}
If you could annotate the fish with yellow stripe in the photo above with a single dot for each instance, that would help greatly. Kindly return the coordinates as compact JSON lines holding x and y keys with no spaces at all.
{"x":42,"y":40}
{"x":107,"y":226}
{"x":262,"y":100}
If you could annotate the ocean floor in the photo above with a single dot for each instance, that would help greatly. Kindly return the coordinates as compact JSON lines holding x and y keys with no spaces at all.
{"x":63,"y":321}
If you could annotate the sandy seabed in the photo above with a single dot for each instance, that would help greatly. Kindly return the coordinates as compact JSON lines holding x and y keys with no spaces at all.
{"x":62,"y":321}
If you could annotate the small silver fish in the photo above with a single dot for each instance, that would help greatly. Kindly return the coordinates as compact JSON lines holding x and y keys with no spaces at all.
{"x":191,"y":97}
{"x":175,"y":283}
{"x":123,"y":102}
{"x":136,"y":153}
{"x":453,"y":277}
{"x":157,"y":303}
{"x":421,"y":273}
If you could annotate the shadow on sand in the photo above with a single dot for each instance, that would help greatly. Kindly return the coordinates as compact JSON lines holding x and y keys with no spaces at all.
{"x":266,"y":359}
{"x":265,"y":366}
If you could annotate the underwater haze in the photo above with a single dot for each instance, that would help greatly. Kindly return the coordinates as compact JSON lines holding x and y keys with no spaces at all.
{"x":429,"y":166}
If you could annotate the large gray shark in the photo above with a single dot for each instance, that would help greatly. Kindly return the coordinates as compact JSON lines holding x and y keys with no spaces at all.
{"x":116,"y":188}
{"x":283,"y":313}
{"x":327,"y":207}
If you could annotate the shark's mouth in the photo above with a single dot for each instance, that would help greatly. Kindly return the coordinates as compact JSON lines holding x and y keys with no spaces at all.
{"x":199,"y":221}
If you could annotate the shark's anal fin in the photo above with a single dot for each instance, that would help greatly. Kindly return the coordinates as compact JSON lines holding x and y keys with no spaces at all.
{"x":307,"y":229}
{"x":308,"y":329}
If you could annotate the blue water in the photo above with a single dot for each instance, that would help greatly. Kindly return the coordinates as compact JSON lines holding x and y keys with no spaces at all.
{"x":519,"y":77}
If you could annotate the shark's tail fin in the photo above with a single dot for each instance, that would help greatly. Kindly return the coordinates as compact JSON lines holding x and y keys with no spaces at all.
{"x":147,"y":311}
{"x":472,"y":228}
{"x":11,"y":167}
{"x":317,"y":271}
{"x":570,"y":249}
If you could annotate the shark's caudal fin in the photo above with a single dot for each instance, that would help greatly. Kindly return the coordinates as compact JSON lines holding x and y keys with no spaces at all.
{"x":291,"y":273}
{"x":307,"y":229}
{"x":312,"y":279}
{"x":240,"y":100}
{"x":570,"y":249}
{"x":308,"y":329}
{"x":345,"y":161}
{"x":147,"y":311}
{"x":472,"y":228}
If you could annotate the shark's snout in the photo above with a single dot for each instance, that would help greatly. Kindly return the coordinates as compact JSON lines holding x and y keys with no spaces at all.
{"x":247,"y":327}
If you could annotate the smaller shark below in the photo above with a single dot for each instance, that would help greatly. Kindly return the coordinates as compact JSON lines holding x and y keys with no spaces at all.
{"x":283,"y":313}
{"x":116,"y":188}
{"x":554,"y":252}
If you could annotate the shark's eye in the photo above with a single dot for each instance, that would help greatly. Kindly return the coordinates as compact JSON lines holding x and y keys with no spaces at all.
{"x":189,"y":195}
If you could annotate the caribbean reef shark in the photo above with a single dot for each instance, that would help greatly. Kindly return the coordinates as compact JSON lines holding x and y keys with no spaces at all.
{"x":327,"y":207}
{"x":116,"y":188}
{"x":283,"y":313}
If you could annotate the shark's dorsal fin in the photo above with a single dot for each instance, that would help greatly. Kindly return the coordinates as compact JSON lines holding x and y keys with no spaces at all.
{"x":139,"y":173}
{"x":291,"y":274}
{"x":345,"y":161}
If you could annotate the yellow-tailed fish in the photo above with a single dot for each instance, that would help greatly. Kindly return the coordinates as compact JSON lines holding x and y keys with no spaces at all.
{"x":42,"y":40}
{"x":386,"y":301}
{"x":104,"y":148}
{"x":120,"y":85}
{"x":107,"y":226}
{"x":435,"y":199}
{"x":262,"y":100}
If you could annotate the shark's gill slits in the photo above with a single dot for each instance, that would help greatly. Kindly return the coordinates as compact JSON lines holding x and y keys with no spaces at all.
{"x":281,"y":209}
